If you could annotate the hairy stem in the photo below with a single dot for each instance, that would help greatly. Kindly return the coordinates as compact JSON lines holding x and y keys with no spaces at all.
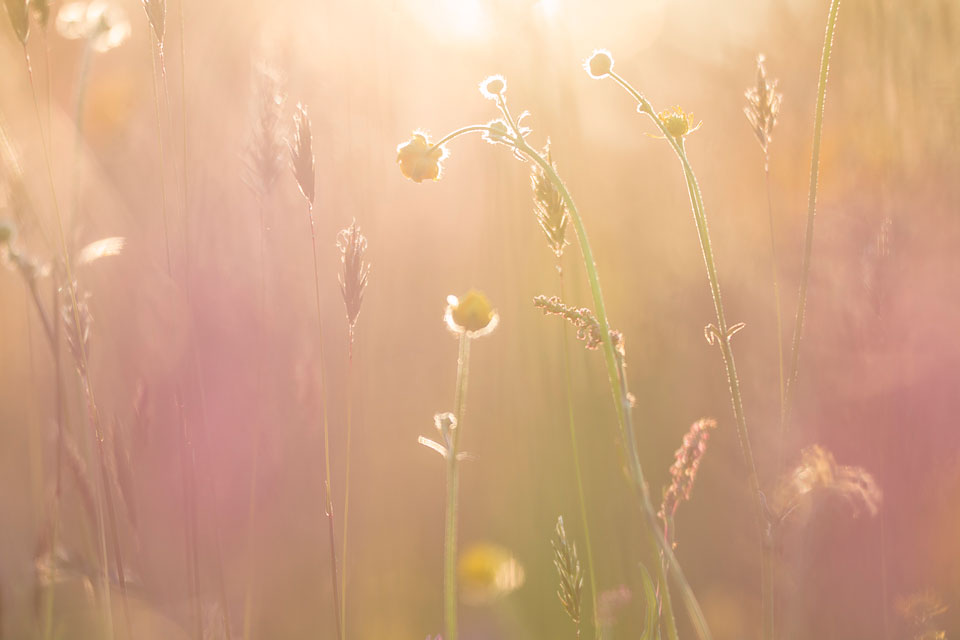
{"x":328,"y":499}
{"x":453,"y":485}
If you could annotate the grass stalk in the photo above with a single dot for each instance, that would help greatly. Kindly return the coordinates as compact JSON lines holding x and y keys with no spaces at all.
{"x":577,"y":468}
{"x":328,"y":499}
{"x":722,"y":333}
{"x":84,"y":375}
{"x":346,"y":490}
{"x":453,"y":486}
{"x":811,"y":207}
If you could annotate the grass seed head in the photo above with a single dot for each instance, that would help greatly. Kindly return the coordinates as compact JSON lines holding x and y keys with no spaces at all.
{"x":301,"y":153}
{"x":568,"y":567}
{"x":763,"y":106}
{"x":355,"y":272}
{"x":157,"y":16}
{"x":550,"y":208}
{"x":19,"y":19}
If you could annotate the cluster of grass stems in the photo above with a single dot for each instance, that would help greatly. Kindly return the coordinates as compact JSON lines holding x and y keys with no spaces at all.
{"x":556,"y":211}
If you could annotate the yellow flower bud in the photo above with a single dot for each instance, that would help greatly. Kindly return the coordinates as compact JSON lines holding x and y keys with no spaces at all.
{"x":472,"y":314}
{"x":419,"y":160}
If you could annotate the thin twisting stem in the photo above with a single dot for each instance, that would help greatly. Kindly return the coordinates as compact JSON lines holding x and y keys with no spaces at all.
{"x":699,"y":214}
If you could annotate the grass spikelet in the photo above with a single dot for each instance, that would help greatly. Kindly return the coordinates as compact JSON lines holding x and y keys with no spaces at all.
{"x":683,"y":472}
{"x":583,"y":319}
{"x":265,"y":150}
{"x":355,"y":272}
{"x":763,"y":105}
{"x":549,"y":207}
{"x":565,"y":560}
{"x":818,"y":471}
{"x":301,"y":154}
{"x":920,"y":611}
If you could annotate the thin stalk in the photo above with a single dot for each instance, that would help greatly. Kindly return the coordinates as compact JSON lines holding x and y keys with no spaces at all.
{"x":346,"y":490}
{"x":55,"y":511}
{"x":811,"y":206}
{"x":163,"y":164}
{"x":326,"y":431}
{"x":775,"y":274}
{"x":725,"y":334}
{"x":653,"y":537}
{"x":578,"y":472}
{"x":453,"y":486}
{"x":190,"y":517}
{"x":85,"y":379}
{"x":252,"y":503}
{"x":183,"y":115}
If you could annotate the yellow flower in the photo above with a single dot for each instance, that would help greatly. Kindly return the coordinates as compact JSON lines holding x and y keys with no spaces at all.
{"x":493,"y":87}
{"x":472,"y":314}
{"x":677,"y":122}
{"x":487,"y":573}
{"x":419,"y":160}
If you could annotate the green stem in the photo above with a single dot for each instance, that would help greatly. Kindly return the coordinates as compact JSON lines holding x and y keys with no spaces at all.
{"x":453,"y":482}
{"x":578,"y":472}
{"x":699,"y":214}
{"x":328,"y":499}
{"x":84,"y":373}
{"x":653,"y":538}
{"x":459,"y":132}
{"x":811,"y":206}
{"x":775,"y":274}
{"x":346,"y":492}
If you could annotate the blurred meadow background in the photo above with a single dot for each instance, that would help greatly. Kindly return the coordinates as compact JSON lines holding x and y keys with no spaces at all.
{"x":878,"y":367}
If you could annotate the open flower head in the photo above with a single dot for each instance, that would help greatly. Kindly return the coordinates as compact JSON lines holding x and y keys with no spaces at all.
{"x":677,"y":122}
{"x":420,"y":160}
{"x":488,"y":572}
{"x":493,"y":87}
{"x":105,"y":26}
{"x":471,"y":314}
{"x":599,"y":64}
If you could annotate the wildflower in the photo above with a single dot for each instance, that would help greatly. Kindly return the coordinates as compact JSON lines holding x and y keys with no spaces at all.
{"x":472,"y":314}
{"x":498,"y":132}
{"x":677,"y":122}
{"x":488,"y":572}
{"x":599,"y":64}
{"x":493,"y":87}
{"x":105,"y":27}
{"x":419,"y":160}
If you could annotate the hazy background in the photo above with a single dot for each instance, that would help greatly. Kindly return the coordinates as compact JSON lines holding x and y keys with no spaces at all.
{"x":878,"y":376}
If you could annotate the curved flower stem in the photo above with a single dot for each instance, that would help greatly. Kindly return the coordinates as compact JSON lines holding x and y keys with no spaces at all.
{"x":725,"y":334}
{"x":453,"y":484}
{"x":459,"y":132}
{"x":618,"y":387}
{"x":811,"y":207}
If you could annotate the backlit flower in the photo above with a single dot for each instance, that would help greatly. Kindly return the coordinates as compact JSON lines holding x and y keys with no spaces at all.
{"x":419,"y":160}
{"x":105,"y":26}
{"x":599,"y":64}
{"x":677,"y":122}
{"x":493,"y":86}
{"x":472,"y":314}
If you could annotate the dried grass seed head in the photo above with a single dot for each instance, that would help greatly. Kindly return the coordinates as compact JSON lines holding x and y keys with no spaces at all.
{"x":301,"y":153}
{"x":549,"y":206}
{"x":763,"y":106}
{"x":264,"y":154}
{"x":683,"y":472}
{"x":583,"y":319}
{"x":599,"y":64}
{"x":420,"y":160}
{"x":471,"y":314}
{"x":355,"y":273}
{"x":568,"y":567}
{"x":818,"y":471}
